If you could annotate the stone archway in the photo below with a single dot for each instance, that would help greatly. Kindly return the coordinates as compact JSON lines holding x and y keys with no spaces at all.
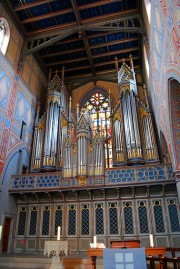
{"x":174,"y":108}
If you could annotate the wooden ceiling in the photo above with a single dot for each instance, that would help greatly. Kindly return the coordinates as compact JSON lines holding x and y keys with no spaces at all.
{"x":84,"y":36}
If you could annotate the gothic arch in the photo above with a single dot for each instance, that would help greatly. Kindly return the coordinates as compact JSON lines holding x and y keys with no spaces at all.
{"x":174,"y":111}
{"x":12,"y":160}
{"x":87,"y":95}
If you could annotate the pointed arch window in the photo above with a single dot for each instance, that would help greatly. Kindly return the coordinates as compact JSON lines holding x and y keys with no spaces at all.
{"x":4,"y":35}
{"x":97,"y":107}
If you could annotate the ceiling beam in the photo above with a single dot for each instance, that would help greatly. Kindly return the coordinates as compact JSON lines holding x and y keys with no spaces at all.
{"x":63,"y":52}
{"x":110,"y":16}
{"x":87,"y":36}
{"x":45,"y":43}
{"x":117,"y":28}
{"x":101,"y":20}
{"x":115,"y":53}
{"x":66,"y":62}
{"x":83,"y":34}
{"x":48,"y":15}
{"x":100,"y":3}
{"x":34,"y":4}
{"x":60,"y":12}
{"x":121,"y":41}
{"x":89,"y":75}
{"x":113,"y":62}
{"x":78,"y":68}
{"x":91,"y":47}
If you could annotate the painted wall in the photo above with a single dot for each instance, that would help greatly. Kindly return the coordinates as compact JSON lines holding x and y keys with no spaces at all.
{"x":165,"y":64}
{"x":20,"y":89}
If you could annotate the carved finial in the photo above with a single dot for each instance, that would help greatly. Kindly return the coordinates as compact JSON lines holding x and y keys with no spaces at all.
{"x":123,"y":60}
{"x":70,"y":101}
{"x":77,"y":111}
{"x":56,"y":72}
{"x":50,"y":74}
{"x":131,"y":62}
{"x":116,"y":63}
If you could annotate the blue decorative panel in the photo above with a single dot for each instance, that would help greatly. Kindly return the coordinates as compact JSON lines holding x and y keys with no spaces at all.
{"x":121,"y":176}
{"x":22,"y":108}
{"x":118,"y":176}
{"x":5,"y":84}
{"x":48,"y":181}
{"x":35,"y":181}
{"x":23,"y":182}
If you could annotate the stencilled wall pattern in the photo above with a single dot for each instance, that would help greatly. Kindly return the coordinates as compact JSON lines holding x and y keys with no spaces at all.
{"x":17,"y":104}
{"x":164,"y":59}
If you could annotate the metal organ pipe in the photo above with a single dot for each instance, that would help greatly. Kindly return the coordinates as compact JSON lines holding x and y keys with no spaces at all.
{"x":56,"y":128}
{"x":50,"y":128}
{"x":135,"y":121}
{"x":47,"y":120}
{"x":126,"y":125}
{"x":131,"y":126}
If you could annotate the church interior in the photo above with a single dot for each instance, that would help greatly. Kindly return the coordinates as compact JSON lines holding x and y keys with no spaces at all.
{"x":89,"y":125}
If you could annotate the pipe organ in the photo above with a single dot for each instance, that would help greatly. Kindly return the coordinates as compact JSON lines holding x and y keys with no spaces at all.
{"x":82,"y":145}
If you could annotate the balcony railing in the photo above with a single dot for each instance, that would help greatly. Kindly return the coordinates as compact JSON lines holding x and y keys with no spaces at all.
{"x":114,"y":177}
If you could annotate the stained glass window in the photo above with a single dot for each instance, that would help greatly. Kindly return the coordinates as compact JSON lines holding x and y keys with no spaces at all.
{"x":58,"y":218}
{"x":158,"y":216}
{"x":143,"y":218}
{"x":46,"y":218}
{"x":97,"y":107}
{"x":113,"y":218}
{"x":72,"y":220}
{"x":173,"y":215}
{"x":128,"y":218}
{"x":99,"y":219}
{"x":33,"y":221}
{"x":22,"y":221}
{"x":85,"y":219}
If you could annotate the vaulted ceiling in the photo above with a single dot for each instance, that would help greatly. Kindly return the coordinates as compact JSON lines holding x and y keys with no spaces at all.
{"x":84,"y":36}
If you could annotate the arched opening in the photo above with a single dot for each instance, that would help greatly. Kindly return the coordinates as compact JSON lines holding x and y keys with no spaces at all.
{"x":4,"y":35}
{"x":97,"y":106}
{"x":174,"y":103}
